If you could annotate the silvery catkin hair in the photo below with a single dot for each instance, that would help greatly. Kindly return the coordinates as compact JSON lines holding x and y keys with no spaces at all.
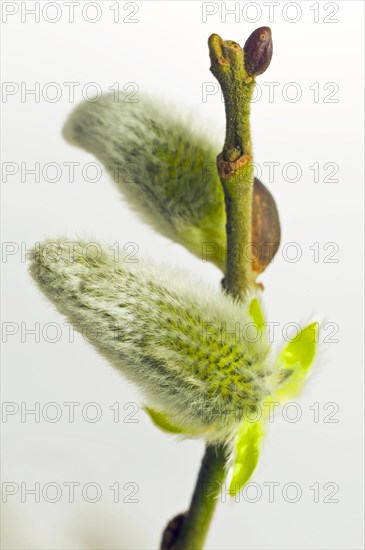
{"x":183,"y":344}
{"x":167,"y":171}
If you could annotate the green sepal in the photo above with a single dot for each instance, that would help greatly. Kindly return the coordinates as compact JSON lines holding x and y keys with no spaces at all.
{"x":161,"y":421}
{"x":257,"y":314}
{"x":258,"y":318}
{"x":298,"y":356}
{"x":247,"y":450}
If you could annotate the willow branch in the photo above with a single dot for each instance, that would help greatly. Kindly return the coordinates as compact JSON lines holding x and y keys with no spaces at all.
{"x":235,"y":167}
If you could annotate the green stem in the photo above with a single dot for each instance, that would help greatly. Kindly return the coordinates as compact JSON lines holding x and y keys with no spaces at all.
{"x":205,"y":497}
{"x":235,"y":167}
{"x":235,"y":163}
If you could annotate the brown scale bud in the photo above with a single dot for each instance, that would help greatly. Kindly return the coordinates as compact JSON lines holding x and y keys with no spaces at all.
{"x":265,"y":227}
{"x":258,"y":51}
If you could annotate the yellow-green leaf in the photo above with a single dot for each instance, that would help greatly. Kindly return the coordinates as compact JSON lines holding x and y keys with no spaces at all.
{"x":161,"y":421}
{"x":256,"y":313}
{"x":298,"y":356}
{"x":247,"y":450}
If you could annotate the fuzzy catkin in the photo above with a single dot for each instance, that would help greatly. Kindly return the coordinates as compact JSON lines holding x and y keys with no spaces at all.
{"x":167,"y":171}
{"x":184,"y":345}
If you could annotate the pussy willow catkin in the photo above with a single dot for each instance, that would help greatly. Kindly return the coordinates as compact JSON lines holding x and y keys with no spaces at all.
{"x":166,"y":168}
{"x":193,"y":351}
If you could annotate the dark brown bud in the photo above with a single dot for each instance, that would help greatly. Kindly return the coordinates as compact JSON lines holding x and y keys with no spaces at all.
{"x":172,"y":532}
{"x":265,"y":227}
{"x":258,"y":51}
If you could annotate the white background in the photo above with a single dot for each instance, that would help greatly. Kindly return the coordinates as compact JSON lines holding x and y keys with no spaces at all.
{"x":165,"y":52}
